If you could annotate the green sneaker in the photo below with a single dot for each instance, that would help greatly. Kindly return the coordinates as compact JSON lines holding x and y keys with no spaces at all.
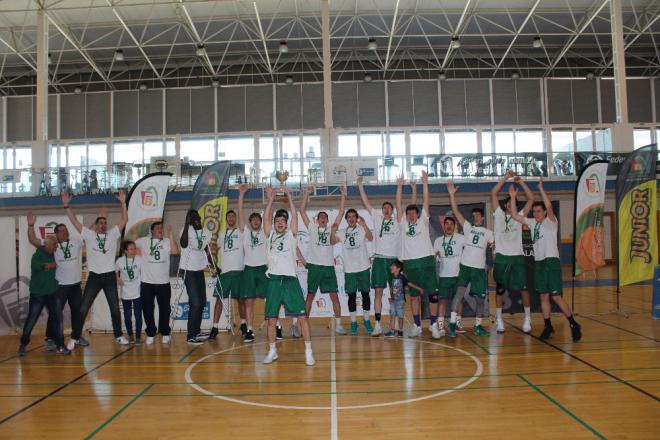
{"x":480,"y":331}
{"x":354,"y":328}
{"x":367,"y":325}
{"x":452,"y":330}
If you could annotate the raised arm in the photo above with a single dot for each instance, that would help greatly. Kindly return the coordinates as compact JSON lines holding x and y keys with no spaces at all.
{"x":494,"y":203}
{"x":174,"y":246}
{"x":242,"y":189}
{"x":413,"y":192}
{"x":513,"y":193}
{"x":342,"y":207}
{"x":528,"y":194}
{"x":426,"y":197}
{"x":293,"y":222}
{"x":367,"y":232}
{"x":124,"y":209}
{"x":547,"y":201}
{"x":399,"y":191}
{"x":66,"y":203}
{"x":363,"y":195}
{"x":451,"y":189}
{"x":32,"y":237}
{"x":268,"y":213}
{"x":303,"y":207}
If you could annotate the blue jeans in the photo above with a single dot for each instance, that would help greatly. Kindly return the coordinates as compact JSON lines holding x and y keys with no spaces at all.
{"x":196,"y":289}
{"x":36,"y":305}
{"x":73,"y":295}
{"x":95,"y":283}
{"x":133,"y":306}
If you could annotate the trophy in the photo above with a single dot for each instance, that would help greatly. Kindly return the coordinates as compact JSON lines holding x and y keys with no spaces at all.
{"x":282,"y":177}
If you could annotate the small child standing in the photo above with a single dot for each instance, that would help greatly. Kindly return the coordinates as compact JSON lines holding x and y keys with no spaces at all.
{"x":398,"y":286}
{"x":128,"y":278}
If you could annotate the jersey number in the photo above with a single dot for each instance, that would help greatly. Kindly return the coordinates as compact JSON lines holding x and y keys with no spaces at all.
{"x":156,"y":255}
{"x":475,"y":239}
{"x":351,"y":241}
{"x":230,"y":244}
{"x":280,"y":247}
{"x":449,"y":251}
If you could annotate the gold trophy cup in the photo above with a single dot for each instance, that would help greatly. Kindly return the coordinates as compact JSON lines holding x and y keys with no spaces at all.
{"x":282,"y":177}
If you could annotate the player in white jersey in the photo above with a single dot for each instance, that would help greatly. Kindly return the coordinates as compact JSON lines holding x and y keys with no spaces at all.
{"x":68,"y":275}
{"x":509,"y":268}
{"x":472,"y":275}
{"x":356,"y":266}
{"x":320,"y":259}
{"x":449,"y":249}
{"x":128,"y":279}
{"x":547,"y":266}
{"x":417,"y":253}
{"x":387,"y":244}
{"x":155,"y":287}
{"x":283,"y":285}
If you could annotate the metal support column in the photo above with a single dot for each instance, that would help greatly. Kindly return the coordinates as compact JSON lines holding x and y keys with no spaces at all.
{"x":40,"y":147}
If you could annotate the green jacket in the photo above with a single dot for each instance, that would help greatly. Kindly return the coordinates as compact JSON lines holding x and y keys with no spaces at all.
{"x":43,"y":281}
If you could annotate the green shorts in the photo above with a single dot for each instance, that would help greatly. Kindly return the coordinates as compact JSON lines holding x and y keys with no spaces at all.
{"x":321,"y":277}
{"x":230,"y":283}
{"x":380,"y":272}
{"x":421,"y":271}
{"x":548,"y":276}
{"x":510,"y":272}
{"x":476,"y":278}
{"x":254,"y":282}
{"x":357,"y":282}
{"x":447,"y":287}
{"x":284,"y":290}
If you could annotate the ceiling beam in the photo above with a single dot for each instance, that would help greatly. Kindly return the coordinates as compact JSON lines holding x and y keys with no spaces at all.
{"x":515,"y":37}
{"x":457,"y":32}
{"x":195,"y":35}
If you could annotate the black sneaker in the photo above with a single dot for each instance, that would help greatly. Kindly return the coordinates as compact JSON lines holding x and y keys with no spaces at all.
{"x":244,"y":329}
{"x":278,"y":333}
{"x":62,"y":350}
{"x":249,"y":336}
{"x":50,"y":345}
{"x":195,"y":341}
{"x":399,"y":333}
{"x":576,"y":332}
{"x":547,"y":332}
{"x":213,"y":334}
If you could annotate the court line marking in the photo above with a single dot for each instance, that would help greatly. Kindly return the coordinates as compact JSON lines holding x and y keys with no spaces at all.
{"x":185,"y":356}
{"x":477,"y":344}
{"x":579,"y":359}
{"x":478,"y":372}
{"x":333,"y":389}
{"x":61,"y":387}
{"x":562,"y":407}
{"x":16,"y":355}
{"x":619,"y":328}
{"x":121,"y":410}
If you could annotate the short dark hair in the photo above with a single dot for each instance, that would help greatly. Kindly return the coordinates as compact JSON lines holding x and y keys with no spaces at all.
{"x":398,"y":263}
{"x":322,"y":213}
{"x":282,"y":213}
{"x":479,"y":210}
{"x":154,"y":224}
{"x":98,"y":219}
{"x":412,"y":208}
{"x":541,"y":204}
{"x":126,"y":244}
{"x":231,"y":211}
{"x":255,"y":215}
{"x":449,"y":219}
{"x":387,"y":203}
{"x":351,"y":210}
{"x":58,"y":227}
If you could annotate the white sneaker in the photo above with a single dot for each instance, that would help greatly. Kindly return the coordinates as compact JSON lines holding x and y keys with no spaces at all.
{"x":441,"y":328}
{"x":340,"y":330}
{"x":271,"y":357}
{"x":415,"y":331}
{"x":166,"y":339}
{"x":71,"y":344}
{"x":121,"y":340}
{"x":309,"y":358}
{"x":527,"y":324}
{"x":435,"y":331}
{"x":150,"y":340}
{"x":500,"y":325}
{"x":377,"y":330}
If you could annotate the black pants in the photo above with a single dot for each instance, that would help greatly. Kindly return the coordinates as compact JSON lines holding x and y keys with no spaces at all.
{"x":196,"y":289}
{"x":161,"y":293}
{"x":36,"y":305}
{"x":73,"y":295}
{"x":133,"y":307}
{"x":95,"y":283}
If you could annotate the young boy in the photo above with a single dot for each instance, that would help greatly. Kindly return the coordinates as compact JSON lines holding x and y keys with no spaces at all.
{"x":399,"y":284}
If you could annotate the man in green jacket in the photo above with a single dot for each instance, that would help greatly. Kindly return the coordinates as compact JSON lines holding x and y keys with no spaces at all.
{"x":43,"y":286}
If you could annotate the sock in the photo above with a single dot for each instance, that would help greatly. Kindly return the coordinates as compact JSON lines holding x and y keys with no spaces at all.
{"x":308,"y":345}
{"x":366,"y":315}
{"x":272,"y":347}
{"x":418,"y":320}
{"x":278,"y":323}
{"x":353,"y":316}
{"x":433,"y":319}
{"x":377,"y":317}
{"x":216,"y":325}
{"x":528,"y":311}
{"x":477,"y":322}
{"x":249,"y":327}
{"x":571,"y":320}
{"x":294,"y":321}
{"x":338,"y":322}
{"x":396,"y":325}
{"x":452,"y":317}
{"x":547,"y":322}
{"x":498,"y":312}
{"x":243,"y":321}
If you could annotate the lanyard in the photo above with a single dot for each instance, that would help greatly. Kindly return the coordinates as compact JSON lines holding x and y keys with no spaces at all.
{"x":350,"y":238}
{"x":322,"y":236}
{"x":65,"y":250}
{"x":153,"y":247}
{"x":445,"y":245}
{"x":129,"y":269}
{"x":255,"y":238}
{"x":228,"y":239}
{"x":537,"y":230}
{"x":273,"y":240}
{"x":385,"y":227}
{"x":200,"y":238}
{"x":101,"y":242}
{"x":507,"y":220}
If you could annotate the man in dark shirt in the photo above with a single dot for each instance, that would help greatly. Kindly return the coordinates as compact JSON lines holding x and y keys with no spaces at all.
{"x":43,"y":286}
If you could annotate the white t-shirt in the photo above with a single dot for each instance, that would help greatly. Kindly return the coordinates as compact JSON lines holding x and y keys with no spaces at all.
{"x":67,"y":257}
{"x":476,"y":243}
{"x":101,"y":249}
{"x":193,"y":257}
{"x":129,"y":271}
{"x":320,"y":249}
{"x":282,"y":253}
{"x":415,"y":238}
{"x":508,"y":233}
{"x":155,"y":253}
{"x":450,"y":249}
{"x":230,"y":242}
{"x":254,"y":247}
{"x":544,"y":236}
{"x":387,"y":236}
{"x":354,"y":245}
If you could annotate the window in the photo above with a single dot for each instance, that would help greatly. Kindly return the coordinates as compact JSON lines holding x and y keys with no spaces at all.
{"x":529,"y":140}
{"x":562,"y":152}
{"x":236,"y":148}
{"x":291,"y":154}
{"x":371,"y":144}
{"x":347,"y":145}
{"x":603,"y":138}
{"x":390,"y":167}
{"x":152,"y":149}
{"x":197,"y":149}
{"x":457,"y":143}
{"x":562,"y":140}
{"x":312,"y":156}
{"x":641,"y":137}
{"x":397,"y":144}
{"x":500,"y":141}
{"x":170,"y":147}
{"x":267,"y":156}
{"x":23,"y":162}
{"x":424,"y":143}
{"x":583,"y":140}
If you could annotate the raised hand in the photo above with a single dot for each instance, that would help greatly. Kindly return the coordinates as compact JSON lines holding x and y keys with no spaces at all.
{"x":66,"y":198}
{"x":425,"y":177}
{"x":243,"y":188}
{"x":517,"y":179}
{"x":360,"y":180}
{"x":451,"y":189}
{"x":269,"y":192}
{"x":342,"y":190}
{"x":399,"y":180}
{"x":540,"y":182}
{"x":513,"y":191}
{"x":168,"y":230}
{"x":31,"y":218}
{"x":121,"y":196}
{"x":361,"y":221}
{"x":412,"y":183}
{"x":509,"y":174}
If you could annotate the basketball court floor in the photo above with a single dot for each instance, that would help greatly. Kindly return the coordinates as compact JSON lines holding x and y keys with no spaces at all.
{"x":511,"y":385}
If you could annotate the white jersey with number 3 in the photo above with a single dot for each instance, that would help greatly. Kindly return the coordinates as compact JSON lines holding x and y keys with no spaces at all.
{"x":282,"y":253}
{"x":476,"y":243}
{"x":416,"y":238}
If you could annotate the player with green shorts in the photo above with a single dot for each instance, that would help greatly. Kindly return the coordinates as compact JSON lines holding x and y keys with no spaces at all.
{"x":449,"y":249}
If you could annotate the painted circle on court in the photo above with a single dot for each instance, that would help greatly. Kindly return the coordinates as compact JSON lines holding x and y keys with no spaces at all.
{"x":477,"y":373}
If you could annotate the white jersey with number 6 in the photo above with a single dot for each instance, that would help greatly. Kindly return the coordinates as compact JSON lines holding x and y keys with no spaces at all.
{"x":477,"y":239}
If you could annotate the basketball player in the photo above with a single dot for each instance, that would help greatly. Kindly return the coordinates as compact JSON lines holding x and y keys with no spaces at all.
{"x":320,"y":259}
{"x":283,"y":286}
{"x":472,"y":275}
{"x":417,"y":253}
{"x":509,"y":266}
{"x":547,"y":266}
{"x":387,"y":244}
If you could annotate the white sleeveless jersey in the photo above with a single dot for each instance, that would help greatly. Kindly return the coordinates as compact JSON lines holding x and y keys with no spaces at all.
{"x":476,"y":243}
{"x":254,"y":247}
{"x":415,"y":238}
{"x":544,"y":236}
{"x":387,"y":236}
{"x":282,"y":254}
{"x":354,"y":246}
{"x":450,"y":250}
{"x":320,"y":251}
{"x":508,"y":233}
{"x":230,"y":243}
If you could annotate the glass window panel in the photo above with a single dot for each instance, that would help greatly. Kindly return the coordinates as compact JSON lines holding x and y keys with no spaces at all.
{"x":371,"y":144}
{"x":23,"y":157}
{"x":198,"y":149}
{"x":504,"y":141}
{"x":424,"y":142}
{"x":291,"y":155}
{"x":583,"y":140}
{"x":562,"y":140}
{"x":170,"y":147}
{"x":487,"y":141}
{"x":236,"y":148}
{"x":347,"y":145}
{"x":267,"y":147}
{"x":603,"y":137}
{"x":529,"y":141}
{"x":9,"y":158}
{"x":77,"y":155}
{"x":458,"y":142}
{"x":54,"y":156}
{"x":152,"y":149}
{"x":389,"y":168}
{"x":97,"y":153}
{"x":312,"y":161}
{"x":641,"y":137}
{"x":397,"y":146}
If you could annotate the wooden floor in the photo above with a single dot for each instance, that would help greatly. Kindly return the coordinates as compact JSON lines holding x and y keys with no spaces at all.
{"x":507,"y":386}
